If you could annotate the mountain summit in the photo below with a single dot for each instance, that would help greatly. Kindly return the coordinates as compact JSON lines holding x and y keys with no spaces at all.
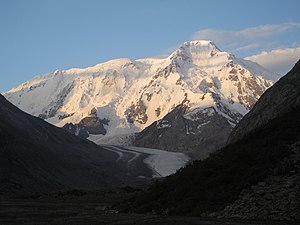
{"x":124,"y":96}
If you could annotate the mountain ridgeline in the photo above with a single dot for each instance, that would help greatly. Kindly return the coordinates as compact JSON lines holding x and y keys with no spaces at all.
{"x":282,"y":98}
{"x":125,"y":96}
{"x":256,"y":176}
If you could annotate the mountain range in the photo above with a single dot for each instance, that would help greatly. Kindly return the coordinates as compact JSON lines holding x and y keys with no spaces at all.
{"x":195,"y":95}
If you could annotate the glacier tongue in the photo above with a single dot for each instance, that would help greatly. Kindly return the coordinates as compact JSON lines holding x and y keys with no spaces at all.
{"x":132,"y":94}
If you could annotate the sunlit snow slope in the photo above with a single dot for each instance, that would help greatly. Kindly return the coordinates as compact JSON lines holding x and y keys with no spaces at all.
{"x":132,"y":94}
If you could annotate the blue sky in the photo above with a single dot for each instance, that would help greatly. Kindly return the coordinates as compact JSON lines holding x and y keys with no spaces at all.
{"x":40,"y":36}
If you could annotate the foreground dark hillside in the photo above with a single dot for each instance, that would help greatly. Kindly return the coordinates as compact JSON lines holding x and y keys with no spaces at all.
{"x":268,"y":156}
{"x":38,"y":157}
{"x":211,"y":184}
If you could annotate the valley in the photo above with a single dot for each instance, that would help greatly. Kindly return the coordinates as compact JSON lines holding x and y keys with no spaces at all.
{"x":148,"y":163}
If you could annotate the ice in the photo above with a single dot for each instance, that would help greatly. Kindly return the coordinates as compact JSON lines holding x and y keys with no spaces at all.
{"x":164,"y":163}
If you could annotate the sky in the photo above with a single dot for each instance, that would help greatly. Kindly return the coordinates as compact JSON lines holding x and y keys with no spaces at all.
{"x":40,"y":36}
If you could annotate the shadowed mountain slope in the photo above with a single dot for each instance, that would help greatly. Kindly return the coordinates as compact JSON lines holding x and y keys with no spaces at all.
{"x":38,"y":157}
{"x":276,"y":101}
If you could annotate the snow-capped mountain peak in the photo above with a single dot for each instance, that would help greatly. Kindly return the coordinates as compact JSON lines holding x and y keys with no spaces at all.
{"x":193,"y":48}
{"x":200,"y":44}
{"x":132,"y":94}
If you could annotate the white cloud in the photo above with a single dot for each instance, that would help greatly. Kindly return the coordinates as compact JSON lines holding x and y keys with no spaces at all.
{"x":258,"y":37}
{"x":266,"y":30}
{"x":247,"y":47}
{"x":280,"y":60}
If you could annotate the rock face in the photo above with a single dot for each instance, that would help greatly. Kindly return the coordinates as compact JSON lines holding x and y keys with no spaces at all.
{"x":91,"y":124}
{"x":133,"y":94}
{"x":182,"y":129}
{"x":39,"y":157}
{"x":277,"y":197}
{"x":76,"y":129}
{"x":281,"y":98}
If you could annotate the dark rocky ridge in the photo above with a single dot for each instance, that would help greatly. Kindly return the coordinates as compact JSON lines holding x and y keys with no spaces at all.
{"x":91,"y":124}
{"x":277,"y":100}
{"x":39,"y":157}
{"x":177,"y":131}
{"x":76,"y":129}
{"x":94,"y":124}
